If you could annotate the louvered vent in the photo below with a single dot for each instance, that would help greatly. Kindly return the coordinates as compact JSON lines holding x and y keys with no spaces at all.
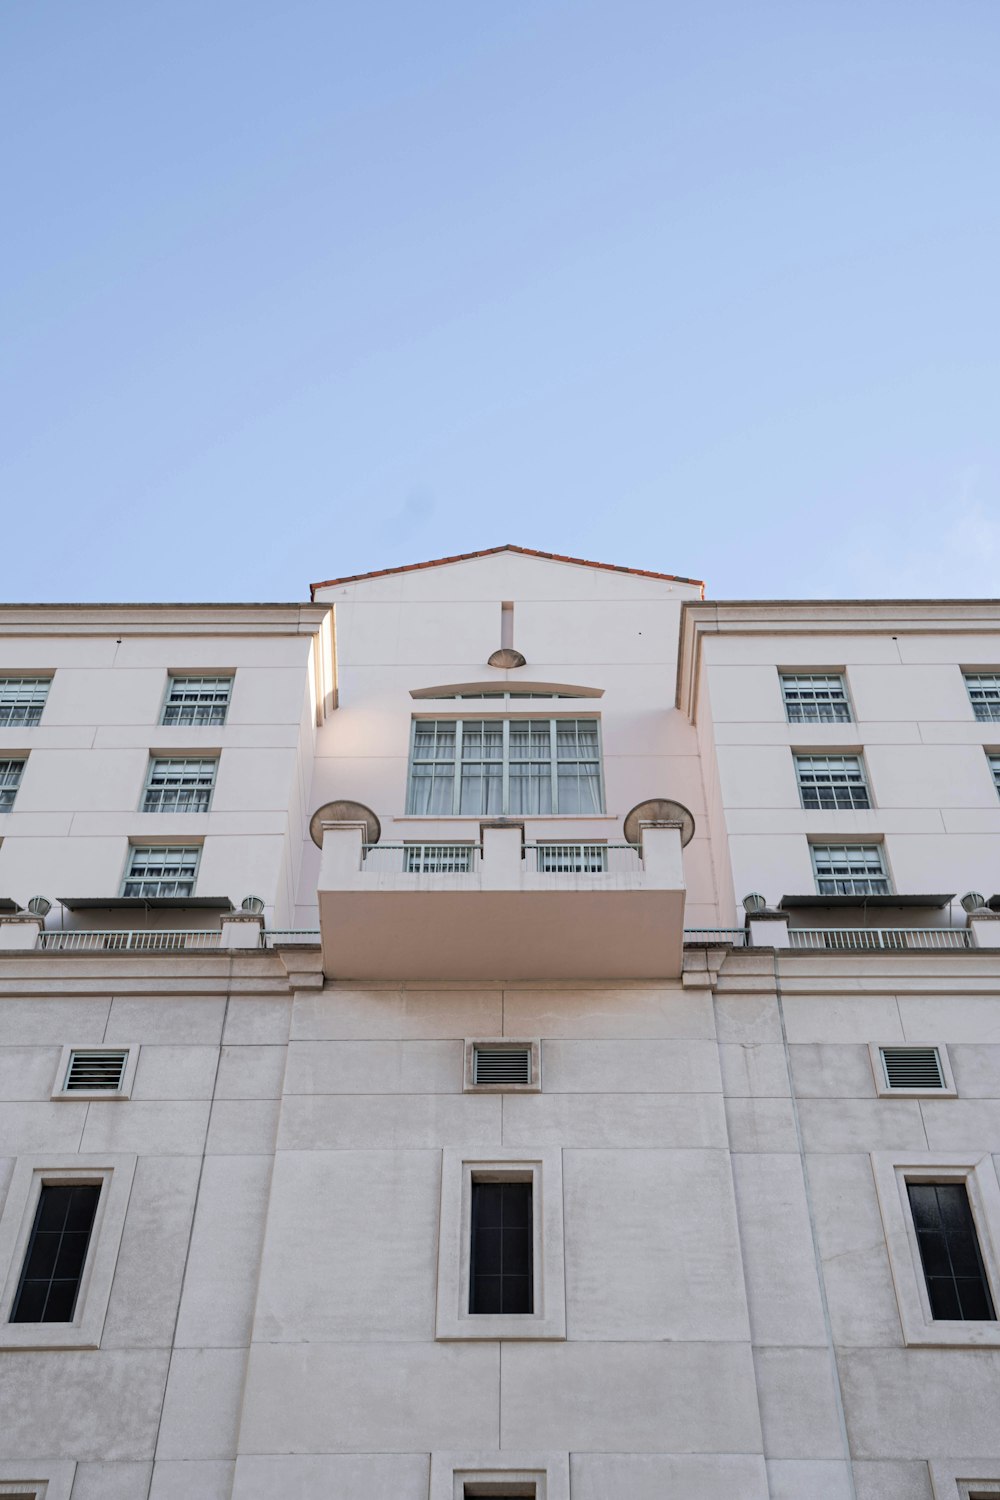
{"x":502,"y":1065}
{"x":912,"y":1067}
{"x":99,"y":1071}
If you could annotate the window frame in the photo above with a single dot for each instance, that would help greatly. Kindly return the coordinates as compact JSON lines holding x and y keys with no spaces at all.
{"x":949,"y":1479}
{"x":857,"y":843}
{"x":31,"y":1173}
{"x":36,"y":679}
{"x":453,"y":1319}
{"x":451,"y":1472}
{"x":50,"y":1479}
{"x":157,"y":759}
{"x":993,"y":761}
{"x":857,"y":756}
{"x":60,"y":1091}
{"x":892,"y":1171}
{"x":165,"y":844}
{"x":8,"y":760}
{"x":202,"y":675}
{"x":505,"y":720}
{"x":819,"y":672}
{"x":967,"y":674}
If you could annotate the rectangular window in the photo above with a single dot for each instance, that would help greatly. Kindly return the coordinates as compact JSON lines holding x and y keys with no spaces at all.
{"x":850,"y":870}
{"x":832,"y":782}
{"x":984,"y":693}
{"x":22,"y":700}
{"x":57,"y":1250}
{"x":197,"y":700}
{"x":994,"y":760}
{"x":500,"y":1273}
{"x":161,"y":870}
{"x":952,"y":1262}
{"x":509,"y":767}
{"x":815,"y":698}
{"x":179,"y":785}
{"x":10,"y":780}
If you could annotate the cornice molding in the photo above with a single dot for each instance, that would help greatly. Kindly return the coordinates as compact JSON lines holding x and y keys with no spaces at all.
{"x":162,"y":619}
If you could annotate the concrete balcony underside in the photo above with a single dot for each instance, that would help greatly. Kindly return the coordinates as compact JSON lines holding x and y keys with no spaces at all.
{"x":502,"y":920}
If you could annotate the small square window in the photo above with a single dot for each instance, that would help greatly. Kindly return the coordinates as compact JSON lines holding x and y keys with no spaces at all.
{"x":850,"y":869}
{"x":815,"y":698}
{"x":196,"y":700}
{"x":11,"y":772}
{"x":161,"y":870}
{"x":832,"y":782}
{"x":503,"y":1064}
{"x":22,"y":700}
{"x":984,"y":695}
{"x":96,"y":1073}
{"x":179,"y":786}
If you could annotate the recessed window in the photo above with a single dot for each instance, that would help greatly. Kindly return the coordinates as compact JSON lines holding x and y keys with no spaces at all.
{"x":815,"y":698}
{"x":22,"y":700}
{"x":57,"y":1250}
{"x":994,"y":759}
{"x":984,"y":694}
{"x":474,"y":1489}
{"x":10,"y":779}
{"x":518,"y":767}
{"x":179,"y":786}
{"x":161,"y":870}
{"x":197,"y":700}
{"x":952,"y":1261}
{"x":832,"y":782}
{"x":500,"y":1267}
{"x":850,"y":869}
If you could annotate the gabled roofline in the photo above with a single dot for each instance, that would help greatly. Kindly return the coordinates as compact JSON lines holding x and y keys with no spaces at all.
{"x":437,"y":562}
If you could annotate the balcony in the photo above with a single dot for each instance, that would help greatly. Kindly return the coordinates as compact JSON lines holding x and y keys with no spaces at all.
{"x":502,"y":910}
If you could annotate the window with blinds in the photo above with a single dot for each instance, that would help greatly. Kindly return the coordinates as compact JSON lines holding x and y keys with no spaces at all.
{"x":197,"y":700}
{"x":504,"y":767}
{"x":179,"y":786}
{"x":815,"y":698}
{"x":850,"y":869}
{"x":832,"y":782}
{"x":10,"y":779}
{"x":22,"y":700}
{"x":161,"y":870}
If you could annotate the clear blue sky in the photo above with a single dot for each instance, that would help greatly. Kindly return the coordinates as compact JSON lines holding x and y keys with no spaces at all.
{"x":305,"y":288}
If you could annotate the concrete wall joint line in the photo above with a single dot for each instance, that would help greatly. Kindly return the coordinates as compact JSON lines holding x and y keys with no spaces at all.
{"x":814,"y":1237}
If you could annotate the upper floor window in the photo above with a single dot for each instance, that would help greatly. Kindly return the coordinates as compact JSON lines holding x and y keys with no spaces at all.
{"x":984,"y":691}
{"x":526,"y":767}
{"x":995,"y":768}
{"x":815,"y":698}
{"x":197,"y":700}
{"x":957,"y":1287}
{"x":161,"y":870}
{"x":850,"y":870}
{"x":10,"y":780}
{"x":832,"y":781}
{"x":179,"y":785}
{"x":22,"y":700}
{"x":57,"y":1250}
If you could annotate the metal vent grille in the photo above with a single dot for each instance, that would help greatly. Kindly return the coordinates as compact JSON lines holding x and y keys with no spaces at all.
{"x":102,"y":1071}
{"x":912,"y":1067}
{"x":501,"y":1065}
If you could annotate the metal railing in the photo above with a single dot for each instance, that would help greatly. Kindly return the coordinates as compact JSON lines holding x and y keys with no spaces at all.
{"x":869,"y":939}
{"x":420,"y":859}
{"x":583,"y":859}
{"x":285,"y":936}
{"x":127,"y":942}
{"x":737,"y":936}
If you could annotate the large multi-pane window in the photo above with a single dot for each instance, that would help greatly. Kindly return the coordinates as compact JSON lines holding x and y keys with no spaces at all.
{"x":815,"y":698}
{"x":850,"y":870}
{"x":10,"y":780}
{"x":179,"y":785}
{"x":197,"y":700}
{"x":521,"y":767}
{"x":984,"y":693}
{"x":57,"y":1251}
{"x":161,"y":870}
{"x":995,"y":768}
{"x":957,"y":1287}
{"x":22,"y":700}
{"x":832,"y":781}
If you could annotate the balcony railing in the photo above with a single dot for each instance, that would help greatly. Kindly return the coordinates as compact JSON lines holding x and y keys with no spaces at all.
{"x":122,"y":942}
{"x":283,"y":937}
{"x":420,"y":859}
{"x":892,"y":939}
{"x":583,"y":859}
{"x":736,"y":936}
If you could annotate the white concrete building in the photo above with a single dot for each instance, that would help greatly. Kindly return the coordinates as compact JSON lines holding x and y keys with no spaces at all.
{"x":396,"y":1101}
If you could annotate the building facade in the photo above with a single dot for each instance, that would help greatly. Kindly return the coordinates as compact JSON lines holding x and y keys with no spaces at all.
{"x":508,"y":1027}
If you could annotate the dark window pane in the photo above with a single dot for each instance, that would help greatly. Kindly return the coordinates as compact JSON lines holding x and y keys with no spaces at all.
{"x":57,"y":1249}
{"x":957,"y":1287}
{"x":501,"y":1266}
